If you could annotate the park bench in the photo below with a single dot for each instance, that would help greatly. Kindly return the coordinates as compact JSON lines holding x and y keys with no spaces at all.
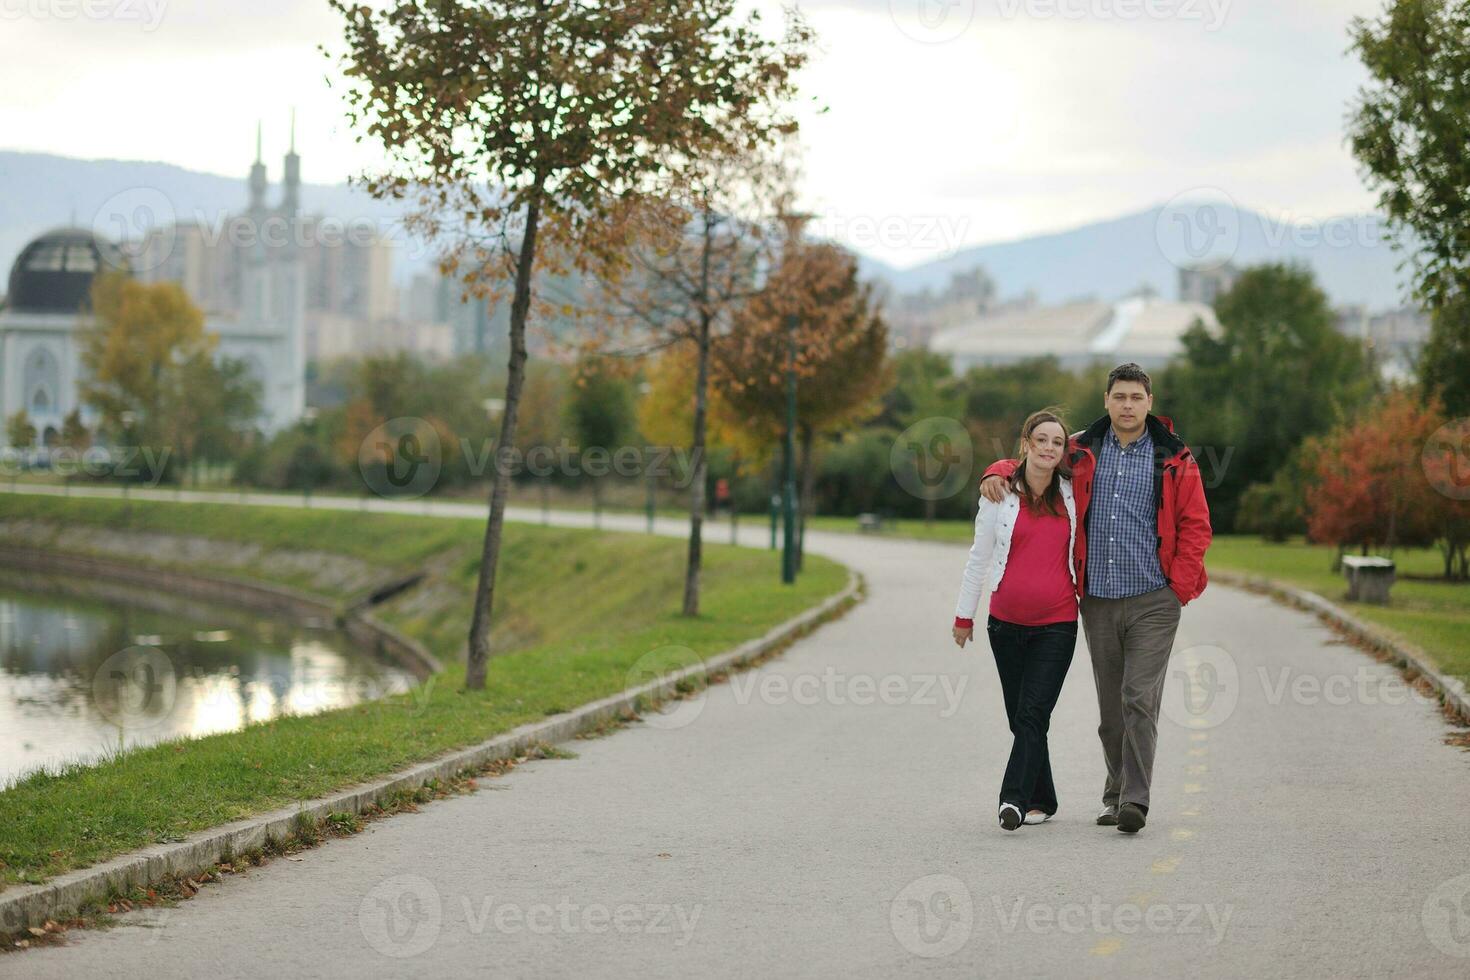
{"x":1368,"y":577}
{"x":870,"y":523}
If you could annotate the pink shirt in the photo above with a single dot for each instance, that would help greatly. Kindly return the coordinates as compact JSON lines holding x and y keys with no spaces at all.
{"x":1037,"y":585}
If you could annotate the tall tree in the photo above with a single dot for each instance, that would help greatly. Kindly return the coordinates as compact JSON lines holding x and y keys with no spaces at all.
{"x":1408,"y":130}
{"x":150,"y":370}
{"x":20,"y":431}
{"x":666,"y":411}
{"x":1276,"y":372}
{"x":1367,"y":484}
{"x":921,"y":404}
{"x":666,"y":416}
{"x":510,"y":118}
{"x":74,"y":434}
{"x":841,"y":360}
{"x":1444,"y":364}
{"x":694,"y":262}
{"x":600,"y":412}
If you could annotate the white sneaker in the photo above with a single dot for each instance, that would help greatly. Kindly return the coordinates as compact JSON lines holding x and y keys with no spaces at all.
{"x":1010,"y":816}
{"x":1037,"y":816}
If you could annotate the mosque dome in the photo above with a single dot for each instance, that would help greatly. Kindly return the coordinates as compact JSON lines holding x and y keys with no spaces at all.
{"x":54,"y":273}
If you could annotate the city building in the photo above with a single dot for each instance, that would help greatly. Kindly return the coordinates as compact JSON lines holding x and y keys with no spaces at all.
{"x":1395,"y":336}
{"x":915,"y":317}
{"x":253,"y":298}
{"x":1140,"y":328}
{"x":1204,"y":284}
{"x":345,"y":267}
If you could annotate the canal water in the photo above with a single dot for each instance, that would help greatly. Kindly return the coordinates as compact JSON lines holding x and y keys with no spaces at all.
{"x":90,"y":667}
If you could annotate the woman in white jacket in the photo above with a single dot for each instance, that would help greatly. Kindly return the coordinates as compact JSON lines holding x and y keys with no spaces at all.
{"x":1023,"y":555}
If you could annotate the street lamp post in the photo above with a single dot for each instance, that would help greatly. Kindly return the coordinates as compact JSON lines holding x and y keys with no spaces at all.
{"x":643,"y":389}
{"x":308,"y":419}
{"x":788,"y":466}
{"x":128,"y":417}
{"x":792,"y":221}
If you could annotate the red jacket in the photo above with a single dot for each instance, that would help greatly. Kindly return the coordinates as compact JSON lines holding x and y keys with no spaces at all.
{"x":1183,"y":518}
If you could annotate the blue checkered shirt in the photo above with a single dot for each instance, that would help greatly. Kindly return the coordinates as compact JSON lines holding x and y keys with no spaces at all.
{"x":1122,"y":521}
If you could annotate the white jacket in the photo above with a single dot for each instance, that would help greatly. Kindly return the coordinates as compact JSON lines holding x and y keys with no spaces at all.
{"x":987,"y":564}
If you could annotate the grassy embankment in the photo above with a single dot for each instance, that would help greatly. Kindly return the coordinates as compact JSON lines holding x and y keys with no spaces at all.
{"x":575,"y":609}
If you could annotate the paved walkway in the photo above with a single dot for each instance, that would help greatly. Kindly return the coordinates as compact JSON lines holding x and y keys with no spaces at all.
{"x":832,"y":814}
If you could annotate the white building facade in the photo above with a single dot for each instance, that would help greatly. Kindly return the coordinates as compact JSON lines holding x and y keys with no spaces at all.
{"x":47,"y":310}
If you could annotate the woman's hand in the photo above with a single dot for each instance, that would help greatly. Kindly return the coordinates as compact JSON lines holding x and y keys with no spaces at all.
{"x":961,"y":635}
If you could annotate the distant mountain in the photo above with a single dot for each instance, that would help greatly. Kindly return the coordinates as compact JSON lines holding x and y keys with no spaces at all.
{"x":1350,"y":255}
{"x":1107,"y":259}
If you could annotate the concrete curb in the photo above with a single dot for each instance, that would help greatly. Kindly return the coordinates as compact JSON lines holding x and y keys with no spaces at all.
{"x":32,"y":905}
{"x":265,"y":597}
{"x":1451,"y":690}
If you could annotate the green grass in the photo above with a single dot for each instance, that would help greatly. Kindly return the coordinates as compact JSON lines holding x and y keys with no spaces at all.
{"x":575,"y":610}
{"x":1429,"y":613}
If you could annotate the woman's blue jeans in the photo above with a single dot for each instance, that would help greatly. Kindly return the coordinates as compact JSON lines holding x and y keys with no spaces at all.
{"x":1033,"y":662}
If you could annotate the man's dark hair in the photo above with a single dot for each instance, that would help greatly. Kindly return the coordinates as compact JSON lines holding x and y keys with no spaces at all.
{"x":1129,"y":372}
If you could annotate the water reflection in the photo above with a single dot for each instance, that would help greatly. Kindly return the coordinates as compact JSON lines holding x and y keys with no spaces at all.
{"x":90,"y":667}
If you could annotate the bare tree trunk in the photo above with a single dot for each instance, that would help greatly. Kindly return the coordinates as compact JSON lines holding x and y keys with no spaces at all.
{"x":696,"y":495}
{"x":479,"y":652}
{"x":701,"y":406}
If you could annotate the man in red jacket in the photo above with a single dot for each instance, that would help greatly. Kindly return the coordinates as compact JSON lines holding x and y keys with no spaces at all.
{"x":1141,"y":501}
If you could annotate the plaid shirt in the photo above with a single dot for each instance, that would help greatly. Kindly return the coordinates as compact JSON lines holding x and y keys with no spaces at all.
{"x":1122,"y":521}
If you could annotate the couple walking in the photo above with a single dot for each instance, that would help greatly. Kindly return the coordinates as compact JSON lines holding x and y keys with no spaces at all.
{"x":1114,"y":517}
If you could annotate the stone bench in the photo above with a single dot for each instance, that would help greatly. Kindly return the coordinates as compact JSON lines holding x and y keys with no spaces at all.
{"x":1368,"y":577}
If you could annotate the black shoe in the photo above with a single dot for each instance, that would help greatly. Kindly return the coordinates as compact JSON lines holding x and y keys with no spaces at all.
{"x":1010,"y":816}
{"x":1109,"y":815}
{"x":1130,"y":818}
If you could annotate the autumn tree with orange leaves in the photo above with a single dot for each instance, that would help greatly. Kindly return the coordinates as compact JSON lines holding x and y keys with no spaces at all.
{"x":841,"y":362}
{"x":1379,"y":483}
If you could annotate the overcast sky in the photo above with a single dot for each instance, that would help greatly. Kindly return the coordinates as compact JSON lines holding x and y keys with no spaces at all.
{"x":949,"y":122}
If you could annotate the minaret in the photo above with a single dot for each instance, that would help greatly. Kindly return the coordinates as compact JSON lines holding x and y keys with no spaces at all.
{"x":257,"y":177}
{"x":290,"y":285}
{"x":255,"y":298}
{"x":291,"y":199}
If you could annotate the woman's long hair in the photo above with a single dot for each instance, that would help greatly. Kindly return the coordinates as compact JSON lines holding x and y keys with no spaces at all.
{"x":1050,"y":501}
